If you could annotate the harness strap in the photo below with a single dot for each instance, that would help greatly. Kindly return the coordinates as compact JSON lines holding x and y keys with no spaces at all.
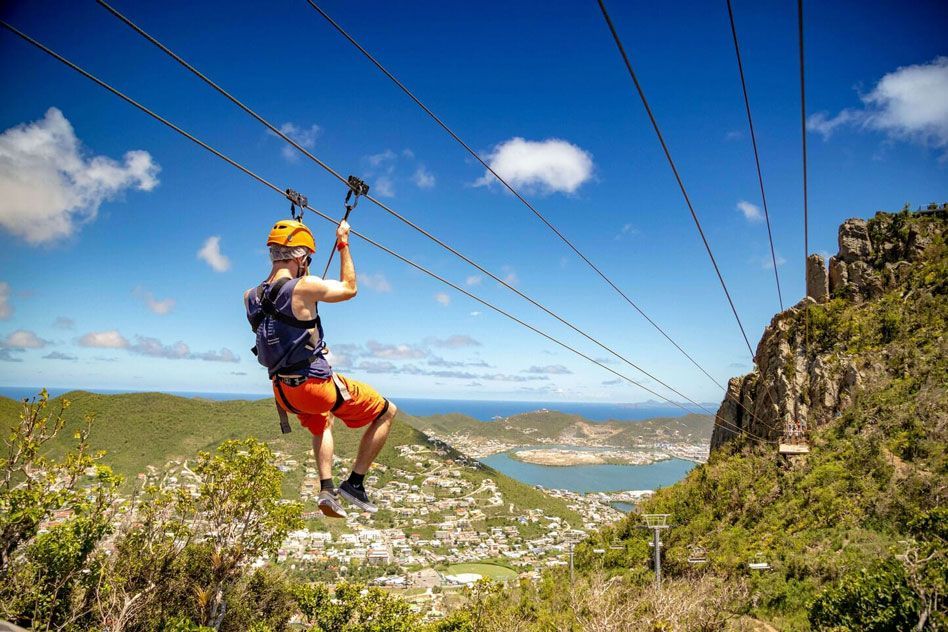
{"x":342,"y":391}
{"x":269,"y":309}
{"x":284,"y":420}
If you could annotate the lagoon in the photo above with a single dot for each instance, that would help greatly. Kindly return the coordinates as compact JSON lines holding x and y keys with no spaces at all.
{"x":592,"y":478}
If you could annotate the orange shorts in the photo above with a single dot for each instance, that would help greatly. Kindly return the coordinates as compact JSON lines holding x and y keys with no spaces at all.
{"x":313,"y":402}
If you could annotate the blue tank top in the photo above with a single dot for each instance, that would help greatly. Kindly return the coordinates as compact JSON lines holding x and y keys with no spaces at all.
{"x":283,"y":347}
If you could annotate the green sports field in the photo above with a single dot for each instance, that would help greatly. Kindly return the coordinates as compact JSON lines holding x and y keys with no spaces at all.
{"x":493,"y":571}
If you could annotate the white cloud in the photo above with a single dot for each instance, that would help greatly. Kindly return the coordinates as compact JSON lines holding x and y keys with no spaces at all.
{"x":550,"y":369}
{"x":6,"y":310}
{"x":767,"y":263}
{"x":23,"y":339}
{"x":510,"y":275}
{"x":474,"y":279}
{"x":910,"y":103}
{"x":210,"y":252}
{"x":750,"y":211}
{"x":443,"y":298}
{"x":104,"y":340}
{"x":160,"y":307}
{"x":376,"y":282}
{"x":423,"y":178}
{"x":475,"y":314}
{"x":384,"y":186}
{"x":305,"y":136}
{"x":627,"y":230}
{"x":457,"y":341}
{"x":62,"y":322}
{"x":59,"y":355}
{"x":548,"y":166}
{"x":48,"y":187}
{"x":378,"y":159}
{"x":395,"y":352}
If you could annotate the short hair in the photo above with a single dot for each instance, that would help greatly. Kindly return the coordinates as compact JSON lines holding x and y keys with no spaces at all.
{"x":285,"y":253}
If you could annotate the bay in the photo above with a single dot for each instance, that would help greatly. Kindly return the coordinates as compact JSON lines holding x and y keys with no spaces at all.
{"x":592,"y":478}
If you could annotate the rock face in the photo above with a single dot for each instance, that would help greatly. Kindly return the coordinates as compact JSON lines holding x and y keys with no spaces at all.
{"x":790,"y":386}
{"x":817,"y":283}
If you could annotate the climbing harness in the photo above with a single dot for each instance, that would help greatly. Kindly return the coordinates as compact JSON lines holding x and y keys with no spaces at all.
{"x":357,"y":188}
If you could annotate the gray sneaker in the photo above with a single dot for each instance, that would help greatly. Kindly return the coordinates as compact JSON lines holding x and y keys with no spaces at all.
{"x":356,"y":497}
{"x":329,"y":504}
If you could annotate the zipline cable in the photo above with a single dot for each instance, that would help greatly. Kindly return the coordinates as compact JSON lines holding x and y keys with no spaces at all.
{"x":388,"y":209}
{"x":806,"y":213}
{"x":333,"y":221}
{"x":681,"y":185}
{"x":508,"y":186}
{"x":753,"y":135}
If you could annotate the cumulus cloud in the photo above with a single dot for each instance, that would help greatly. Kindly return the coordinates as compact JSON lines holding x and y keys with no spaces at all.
{"x":22,"y":339}
{"x":62,"y":322}
{"x":305,"y":136}
{"x":6,"y":310}
{"x":48,"y":187}
{"x":376,"y":282}
{"x":547,"y":166}
{"x":550,"y":369}
{"x":104,"y":340}
{"x":211,"y":253}
{"x":456,"y":341}
{"x":443,"y":298}
{"x":376,"y":160}
{"x":59,"y":355}
{"x":6,"y":355}
{"x":160,"y":307}
{"x":395,"y":352}
{"x":474,"y":279}
{"x":153,"y":347}
{"x":910,"y":103}
{"x":423,"y":178}
{"x":384,"y":186}
{"x":750,"y":211}
{"x":475,"y":314}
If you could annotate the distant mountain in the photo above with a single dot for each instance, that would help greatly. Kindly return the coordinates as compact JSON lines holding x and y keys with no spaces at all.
{"x":549,"y":426}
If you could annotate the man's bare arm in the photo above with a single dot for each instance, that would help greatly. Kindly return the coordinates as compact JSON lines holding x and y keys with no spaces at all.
{"x":329,"y":291}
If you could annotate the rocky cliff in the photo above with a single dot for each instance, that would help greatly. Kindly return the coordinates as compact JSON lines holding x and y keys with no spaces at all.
{"x":815,"y":356}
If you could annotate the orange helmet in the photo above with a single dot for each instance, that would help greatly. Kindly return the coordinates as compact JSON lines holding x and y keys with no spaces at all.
{"x":291,"y":233}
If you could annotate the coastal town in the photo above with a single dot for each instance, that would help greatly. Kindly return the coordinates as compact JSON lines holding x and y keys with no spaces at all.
{"x":443,"y":523}
{"x":551,"y":451}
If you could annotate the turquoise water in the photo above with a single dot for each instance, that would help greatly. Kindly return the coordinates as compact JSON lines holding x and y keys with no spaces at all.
{"x":592,"y":478}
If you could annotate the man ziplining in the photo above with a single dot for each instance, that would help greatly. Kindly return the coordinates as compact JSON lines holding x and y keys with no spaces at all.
{"x":284,"y":316}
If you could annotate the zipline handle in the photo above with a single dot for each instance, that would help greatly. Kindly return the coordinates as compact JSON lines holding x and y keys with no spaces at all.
{"x":357,"y":188}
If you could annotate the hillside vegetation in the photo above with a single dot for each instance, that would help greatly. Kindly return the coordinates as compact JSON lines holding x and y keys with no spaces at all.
{"x":138,"y":430}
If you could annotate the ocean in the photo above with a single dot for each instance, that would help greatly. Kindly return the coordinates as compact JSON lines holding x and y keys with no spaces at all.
{"x":484,"y":410}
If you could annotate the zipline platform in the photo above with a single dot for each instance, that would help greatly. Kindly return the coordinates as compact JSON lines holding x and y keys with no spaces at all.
{"x":794,"y":448}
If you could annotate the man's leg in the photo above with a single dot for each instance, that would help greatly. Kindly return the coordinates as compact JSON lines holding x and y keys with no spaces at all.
{"x":373,"y":440}
{"x":323,"y":448}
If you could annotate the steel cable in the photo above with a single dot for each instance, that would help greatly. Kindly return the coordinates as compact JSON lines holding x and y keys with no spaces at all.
{"x":753,"y":135}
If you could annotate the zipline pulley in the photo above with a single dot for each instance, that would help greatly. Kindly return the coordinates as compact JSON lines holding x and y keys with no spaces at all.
{"x":357,"y":188}
{"x":298,"y":203}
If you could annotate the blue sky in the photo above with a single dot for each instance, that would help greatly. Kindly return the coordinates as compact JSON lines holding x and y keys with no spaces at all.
{"x":101,"y":284}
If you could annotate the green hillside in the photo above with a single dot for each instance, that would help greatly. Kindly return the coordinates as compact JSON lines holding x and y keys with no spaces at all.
{"x":833,"y":524}
{"x":551,"y":425}
{"x":141,"y":429}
